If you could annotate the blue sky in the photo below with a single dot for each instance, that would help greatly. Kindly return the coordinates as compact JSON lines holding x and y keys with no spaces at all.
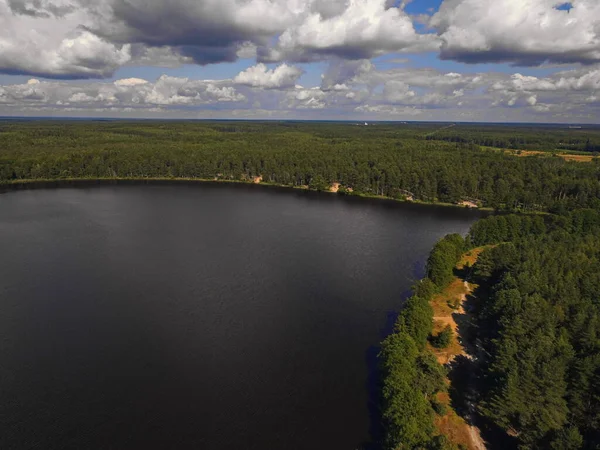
{"x":422,"y":6}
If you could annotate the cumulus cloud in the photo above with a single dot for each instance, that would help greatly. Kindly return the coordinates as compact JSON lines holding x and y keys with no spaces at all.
{"x":130,"y":82}
{"x":40,"y":8}
{"x":211,"y":31}
{"x":92,"y":39}
{"x":348,"y":90}
{"x":573,"y":80}
{"x":218,"y":23}
{"x":302,"y":98}
{"x":165,"y":56}
{"x":562,"y":91}
{"x":125,"y":93}
{"x":432,"y":84}
{"x":82,"y":39}
{"x":49,"y":39}
{"x":396,"y":91}
{"x":282,"y":76}
{"x":341,"y":72}
{"x":405,"y":112}
{"x":182,"y":91}
{"x":520,"y":32}
{"x":354,"y":29}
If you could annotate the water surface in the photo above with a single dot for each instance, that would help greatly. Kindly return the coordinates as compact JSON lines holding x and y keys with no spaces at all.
{"x":205,"y":316}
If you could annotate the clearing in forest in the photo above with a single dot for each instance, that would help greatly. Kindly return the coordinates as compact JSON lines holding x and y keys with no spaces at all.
{"x":566,"y":156}
{"x":578,"y":158}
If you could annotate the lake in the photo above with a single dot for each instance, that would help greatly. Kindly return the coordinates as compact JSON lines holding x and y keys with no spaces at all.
{"x":200,"y":316}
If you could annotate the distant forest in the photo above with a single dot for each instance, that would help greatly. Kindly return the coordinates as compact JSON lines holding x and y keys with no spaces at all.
{"x":422,"y":162}
{"x":524,"y":137}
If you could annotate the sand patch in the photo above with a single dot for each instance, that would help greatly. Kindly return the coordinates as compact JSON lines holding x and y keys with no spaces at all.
{"x":578,"y":158}
{"x":468,"y":204}
{"x":565,"y":156}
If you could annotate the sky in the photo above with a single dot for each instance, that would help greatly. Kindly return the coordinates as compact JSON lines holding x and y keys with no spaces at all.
{"x":397,"y":60}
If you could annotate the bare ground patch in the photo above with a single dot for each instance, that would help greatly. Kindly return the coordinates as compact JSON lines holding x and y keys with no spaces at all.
{"x":448,"y":307}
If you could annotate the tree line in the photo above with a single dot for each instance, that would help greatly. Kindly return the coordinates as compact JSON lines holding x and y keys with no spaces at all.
{"x":391,"y":160}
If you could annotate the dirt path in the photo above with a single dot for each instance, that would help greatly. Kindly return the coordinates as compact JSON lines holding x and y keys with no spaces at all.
{"x":440,"y":129}
{"x":474,"y":432}
{"x":449,"y":309}
{"x":476,"y":441}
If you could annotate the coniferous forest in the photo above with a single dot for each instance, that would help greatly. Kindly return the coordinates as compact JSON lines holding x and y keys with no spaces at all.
{"x":536,"y":331}
{"x":536,"y":319}
{"x":421,"y":162}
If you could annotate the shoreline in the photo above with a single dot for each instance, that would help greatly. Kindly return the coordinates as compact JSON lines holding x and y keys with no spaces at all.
{"x":42,"y":183}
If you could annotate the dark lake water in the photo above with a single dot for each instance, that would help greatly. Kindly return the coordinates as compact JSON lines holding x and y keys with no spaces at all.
{"x":201,"y":317}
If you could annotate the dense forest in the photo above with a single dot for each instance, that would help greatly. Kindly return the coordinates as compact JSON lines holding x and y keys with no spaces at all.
{"x":401,"y":161}
{"x":537,"y":326}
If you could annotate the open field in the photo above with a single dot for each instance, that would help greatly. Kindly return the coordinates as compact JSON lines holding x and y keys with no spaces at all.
{"x":576,"y":157}
{"x":565,"y":156}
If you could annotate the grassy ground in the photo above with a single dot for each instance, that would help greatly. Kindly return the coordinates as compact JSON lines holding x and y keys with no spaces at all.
{"x":567,"y":156}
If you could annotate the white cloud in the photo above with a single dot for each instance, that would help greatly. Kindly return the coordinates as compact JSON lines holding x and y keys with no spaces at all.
{"x":92,"y":39}
{"x":182,"y":91}
{"x":81,"y":97}
{"x":560,"y":92}
{"x":348,"y":91}
{"x":356,"y":29}
{"x":130,"y":82}
{"x":35,"y":41}
{"x":282,"y":76}
{"x":341,"y":72}
{"x":573,"y":80}
{"x":247,"y":50}
{"x":301,"y":98}
{"x":389,"y":110}
{"x":164,"y":56}
{"x":132,"y":92}
{"x":522,"y":32}
{"x":396,"y":91}
{"x":83,"y":39}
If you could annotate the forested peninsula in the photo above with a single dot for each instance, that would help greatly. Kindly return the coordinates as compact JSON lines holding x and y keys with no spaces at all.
{"x":534,"y":333}
{"x":510,"y":361}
